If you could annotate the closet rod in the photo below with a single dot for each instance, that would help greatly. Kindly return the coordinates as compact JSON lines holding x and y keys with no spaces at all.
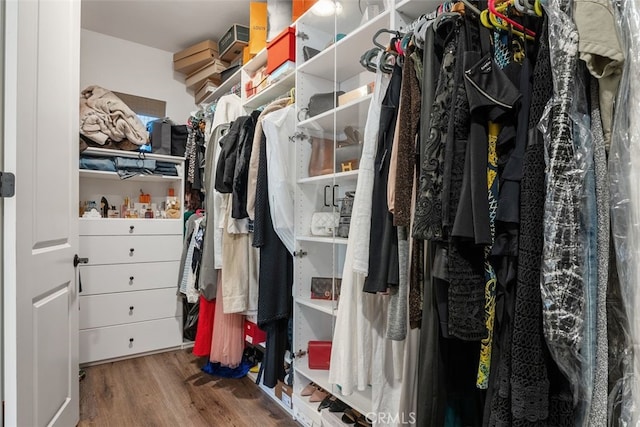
{"x":470,"y":5}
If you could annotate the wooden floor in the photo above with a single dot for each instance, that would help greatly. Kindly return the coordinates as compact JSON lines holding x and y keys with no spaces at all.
{"x":168,"y":389}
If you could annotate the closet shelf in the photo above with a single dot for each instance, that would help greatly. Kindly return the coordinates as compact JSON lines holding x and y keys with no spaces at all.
{"x":113,"y":176}
{"x":329,"y":178}
{"x":106,"y":152}
{"x":275,"y":90}
{"x":325,"y":306}
{"x":305,"y":412}
{"x":224,"y":88}
{"x":319,"y":239}
{"x":359,"y":400}
{"x":351,"y":114}
{"x":256,"y":62}
{"x":342,"y":57}
{"x":269,"y":392}
{"x":414,"y":8}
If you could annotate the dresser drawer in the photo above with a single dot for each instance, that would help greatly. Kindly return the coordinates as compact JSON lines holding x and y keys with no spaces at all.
{"x":128,"y":227}
{"x":103,"y":279}
{"x":130,"y":249}
{"x":126,"y":340}
{"x":125,"y":307}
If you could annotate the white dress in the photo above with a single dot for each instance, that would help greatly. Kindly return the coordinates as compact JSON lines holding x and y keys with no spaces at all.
{"x":352,"y":349}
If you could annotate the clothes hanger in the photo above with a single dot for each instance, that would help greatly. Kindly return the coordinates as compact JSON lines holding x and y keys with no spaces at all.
{"x":471,"y":7}
{"x":498,"y":24}
{"x":537,"y":7}
{"x":385,"y":31}
{"x":516,"y":25}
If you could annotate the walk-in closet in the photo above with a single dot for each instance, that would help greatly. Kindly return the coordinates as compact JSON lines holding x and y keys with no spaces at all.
{"x":320,"y":213}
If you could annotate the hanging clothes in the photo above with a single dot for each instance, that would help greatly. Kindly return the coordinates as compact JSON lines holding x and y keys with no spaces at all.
{"x":227,"y":342}
{"x":383,"y":246}
{"x":275,"y":302}
{"x":352,"y":348}
{"x":279,"y":126}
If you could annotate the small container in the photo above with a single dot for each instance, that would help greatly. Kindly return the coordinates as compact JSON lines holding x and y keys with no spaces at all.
{"x":148,"y":213}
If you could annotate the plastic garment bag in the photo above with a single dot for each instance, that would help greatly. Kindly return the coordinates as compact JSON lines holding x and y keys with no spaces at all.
{"x":624,"y":173}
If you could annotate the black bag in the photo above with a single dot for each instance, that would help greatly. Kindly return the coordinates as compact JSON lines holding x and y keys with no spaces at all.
{"x":309,"y":52}
{"x":160,"y":131}
{"x":190,"y":327}
{"x":322,"y":288}
{"x":321,"y":102}
{"x":179,"y":134}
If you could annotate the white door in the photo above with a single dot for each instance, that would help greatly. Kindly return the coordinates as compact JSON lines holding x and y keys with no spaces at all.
{"x":40,"y":225}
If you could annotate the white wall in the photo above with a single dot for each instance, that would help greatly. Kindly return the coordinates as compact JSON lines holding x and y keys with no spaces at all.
{"x":123,"y":66}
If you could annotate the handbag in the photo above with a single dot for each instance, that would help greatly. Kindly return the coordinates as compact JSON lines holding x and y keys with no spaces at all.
{"x":322,"y":288}
{"x":179,"y":134}
{"x":324,"y":223}
{"x":309,"y":52}
{"x":319,"y":353}
{"x":160,"y":131}
{"x":345,"y":214}
{"x":321,"y":102}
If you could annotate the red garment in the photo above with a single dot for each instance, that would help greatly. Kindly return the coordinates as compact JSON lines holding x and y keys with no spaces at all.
{"x":207,"y":311}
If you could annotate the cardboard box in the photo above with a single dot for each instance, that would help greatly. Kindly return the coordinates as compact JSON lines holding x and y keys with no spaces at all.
{"x":284,"y":393}
{"x":198,"y":47}
{"x":209,"y":85}
{"x":281,"y":49}
{"x":352,"y":95}
{"x":190,"y":59}
{"x":231,"y":44}
{"x":191,"y":63}
{"x":197,"y":78}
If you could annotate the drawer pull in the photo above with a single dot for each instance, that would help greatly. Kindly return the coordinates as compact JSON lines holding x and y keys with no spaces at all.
{"x":131,"y":227}
{"x":131,"y":251}
{"x":131,"y":278}
{"x":130,"y":340}
{"x":130,"y":308}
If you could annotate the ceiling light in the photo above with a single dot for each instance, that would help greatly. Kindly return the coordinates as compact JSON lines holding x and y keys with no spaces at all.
{"x":326,"y":8}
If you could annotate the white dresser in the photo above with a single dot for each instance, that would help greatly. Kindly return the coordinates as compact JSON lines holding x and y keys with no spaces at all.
{"x":129,"y":303}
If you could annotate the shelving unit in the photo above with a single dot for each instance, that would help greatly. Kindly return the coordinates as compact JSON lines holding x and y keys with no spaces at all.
{"x":323,"y":306}
{"x":275,"y":90}
{"x":340,"y":40}
{"x":128,"y":304}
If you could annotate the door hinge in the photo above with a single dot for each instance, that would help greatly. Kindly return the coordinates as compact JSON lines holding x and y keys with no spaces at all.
{"x":7,"y":184}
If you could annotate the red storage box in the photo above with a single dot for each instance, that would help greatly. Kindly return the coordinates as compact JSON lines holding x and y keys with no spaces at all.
{"x":281,"y":49}
{"x":253,"y":334}
{"x":319,"y":353}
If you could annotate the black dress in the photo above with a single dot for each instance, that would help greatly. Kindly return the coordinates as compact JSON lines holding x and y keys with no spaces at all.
{"x":383,"y":246}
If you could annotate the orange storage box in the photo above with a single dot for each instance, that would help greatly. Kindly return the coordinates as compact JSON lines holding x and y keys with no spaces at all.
{"x":281,"y":49}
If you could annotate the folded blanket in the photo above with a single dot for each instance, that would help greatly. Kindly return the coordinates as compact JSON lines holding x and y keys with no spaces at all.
{"x":103,"y":116}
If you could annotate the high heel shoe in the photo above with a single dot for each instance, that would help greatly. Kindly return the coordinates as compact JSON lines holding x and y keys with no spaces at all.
{"x":308,"y":390}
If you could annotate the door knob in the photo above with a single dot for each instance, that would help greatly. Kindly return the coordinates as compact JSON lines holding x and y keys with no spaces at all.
{"x":77,"y":260}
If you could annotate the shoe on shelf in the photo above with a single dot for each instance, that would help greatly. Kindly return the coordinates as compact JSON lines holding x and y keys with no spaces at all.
{"x":350,"y":416}
{"x":326,"y":402}
{"x":363,"y":421}
{"x":308,"y":390}
{"x":338,"y":406}
{"x":318,"y":396}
